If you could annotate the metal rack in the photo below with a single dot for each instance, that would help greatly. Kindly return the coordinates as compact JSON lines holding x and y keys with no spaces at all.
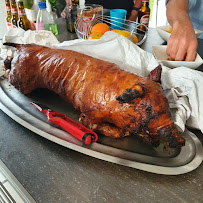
{"x":84,"y":24}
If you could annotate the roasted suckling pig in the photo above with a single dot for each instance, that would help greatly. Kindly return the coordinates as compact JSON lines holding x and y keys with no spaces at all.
{"x":112,"y":101}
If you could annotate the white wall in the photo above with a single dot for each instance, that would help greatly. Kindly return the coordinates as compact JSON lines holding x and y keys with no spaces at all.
{"x":82,"y":2}
{"x":158,"y":14}
{"x":3,"y":28}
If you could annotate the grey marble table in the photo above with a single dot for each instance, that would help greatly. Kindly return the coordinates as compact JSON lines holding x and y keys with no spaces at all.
{"x":52,"y":173}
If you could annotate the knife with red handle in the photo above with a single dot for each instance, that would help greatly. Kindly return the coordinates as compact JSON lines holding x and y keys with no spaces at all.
{"x":74,"y":128}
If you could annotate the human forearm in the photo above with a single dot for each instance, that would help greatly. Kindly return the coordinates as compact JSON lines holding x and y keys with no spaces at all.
{"x":138,"y":3}
{"x":182,"y":43}
{"x":177,"y":11}
{"x":134,"y":13}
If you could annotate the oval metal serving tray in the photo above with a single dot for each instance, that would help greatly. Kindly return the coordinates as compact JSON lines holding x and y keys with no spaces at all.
{"x":128,"y":151}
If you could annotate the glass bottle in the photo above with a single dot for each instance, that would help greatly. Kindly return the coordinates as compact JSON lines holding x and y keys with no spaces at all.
{"x":14,"y":13}
{"x":45,"y":20}
{"x":143,"y":15}
{"x":71,"y":15}
{"x":75,"y":2}
{"x":23,"y":22}
{"x":9,"y":16}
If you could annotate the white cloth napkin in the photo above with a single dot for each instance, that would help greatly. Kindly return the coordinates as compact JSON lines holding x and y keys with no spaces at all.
{"x":184,"y":91}
{"x":182,"y":86}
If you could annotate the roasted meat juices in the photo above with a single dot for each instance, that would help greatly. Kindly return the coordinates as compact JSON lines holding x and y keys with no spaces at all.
{"x":112,"y":101}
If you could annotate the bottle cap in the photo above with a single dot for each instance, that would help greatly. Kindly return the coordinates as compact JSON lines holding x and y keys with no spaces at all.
{"x":42,"y":5}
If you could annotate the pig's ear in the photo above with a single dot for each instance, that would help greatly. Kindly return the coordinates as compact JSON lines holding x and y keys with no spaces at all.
{"x":155,"y":75}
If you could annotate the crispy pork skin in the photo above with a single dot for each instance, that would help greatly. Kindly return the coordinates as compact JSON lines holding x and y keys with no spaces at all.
{"x":112,"y":101}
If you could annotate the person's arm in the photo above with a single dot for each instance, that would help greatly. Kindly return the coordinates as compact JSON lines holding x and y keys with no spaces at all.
{"x":134,"y":13}
{"x":63,"y":13}
{"x":182,"y":43}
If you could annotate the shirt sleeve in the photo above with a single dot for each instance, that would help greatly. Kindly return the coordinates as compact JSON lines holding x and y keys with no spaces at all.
{"x":192,"y":3}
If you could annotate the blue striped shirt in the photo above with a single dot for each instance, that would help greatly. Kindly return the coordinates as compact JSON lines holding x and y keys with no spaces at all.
{"x":196,"y":14}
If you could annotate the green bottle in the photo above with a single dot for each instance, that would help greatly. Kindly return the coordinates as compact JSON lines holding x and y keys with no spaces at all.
{"x":52,"y":28}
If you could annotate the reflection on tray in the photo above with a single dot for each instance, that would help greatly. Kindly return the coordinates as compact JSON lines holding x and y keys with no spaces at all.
{"x":131,"y":143}
{"x":128,"y":151}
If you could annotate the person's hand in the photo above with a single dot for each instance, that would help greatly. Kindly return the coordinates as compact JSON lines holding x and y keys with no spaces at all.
{"x":182,"y":43}
{"x":69,"y":4}
{"x":63,"y":13}
{"x":133,"y":16}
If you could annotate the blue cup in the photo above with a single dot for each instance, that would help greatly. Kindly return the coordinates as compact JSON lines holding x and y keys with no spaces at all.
{"x":118,"y":17}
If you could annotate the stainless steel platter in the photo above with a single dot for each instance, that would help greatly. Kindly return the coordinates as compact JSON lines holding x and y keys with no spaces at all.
{"x":128,"y":151}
